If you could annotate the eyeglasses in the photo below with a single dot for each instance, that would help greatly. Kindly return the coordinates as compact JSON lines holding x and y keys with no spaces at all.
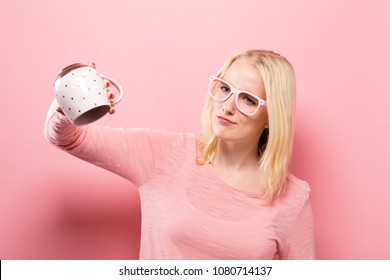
{"x":247,"y":103}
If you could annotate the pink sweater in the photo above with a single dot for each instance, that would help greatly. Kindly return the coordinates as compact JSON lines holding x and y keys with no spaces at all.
{"x":188,"y":212}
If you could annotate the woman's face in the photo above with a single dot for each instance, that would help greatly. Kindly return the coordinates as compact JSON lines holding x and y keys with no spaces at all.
{"x":229,"y":124}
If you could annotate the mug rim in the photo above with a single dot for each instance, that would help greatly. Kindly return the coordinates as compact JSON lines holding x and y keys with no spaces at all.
{"x":70,"y":68}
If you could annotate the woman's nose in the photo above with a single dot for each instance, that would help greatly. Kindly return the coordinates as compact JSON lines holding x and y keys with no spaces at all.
{"x":229,"y":105}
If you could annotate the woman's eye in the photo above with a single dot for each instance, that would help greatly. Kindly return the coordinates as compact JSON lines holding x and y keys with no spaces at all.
{"x":225,"y":89}
{"x":249,"y":100}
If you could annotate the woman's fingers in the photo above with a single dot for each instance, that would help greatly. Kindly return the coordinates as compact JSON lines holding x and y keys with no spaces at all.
{"x":110,"y":95}
{"x":106,"y":83}
{"x":59,"y":110}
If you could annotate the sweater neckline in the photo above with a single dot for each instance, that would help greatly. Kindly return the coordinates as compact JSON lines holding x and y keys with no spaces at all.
{"x":209,"y":170}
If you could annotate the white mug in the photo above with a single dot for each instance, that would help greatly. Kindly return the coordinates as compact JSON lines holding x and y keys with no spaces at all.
{"x":80,"y":91}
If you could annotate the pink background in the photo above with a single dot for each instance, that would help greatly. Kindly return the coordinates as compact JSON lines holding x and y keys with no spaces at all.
{"x":53,"y":206}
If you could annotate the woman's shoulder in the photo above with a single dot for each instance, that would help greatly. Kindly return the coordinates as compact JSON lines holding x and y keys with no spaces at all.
{"x":295,"y":192}
{"x":298,"y":184}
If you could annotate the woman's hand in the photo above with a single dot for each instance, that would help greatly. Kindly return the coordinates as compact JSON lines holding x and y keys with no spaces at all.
{"x":110,"y":95}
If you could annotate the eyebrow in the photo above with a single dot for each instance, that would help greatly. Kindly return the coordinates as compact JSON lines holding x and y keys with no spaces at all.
{"x":239,"y":89}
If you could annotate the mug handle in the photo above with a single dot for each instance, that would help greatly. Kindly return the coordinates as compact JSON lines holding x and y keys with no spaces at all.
{"x":118,"y":87}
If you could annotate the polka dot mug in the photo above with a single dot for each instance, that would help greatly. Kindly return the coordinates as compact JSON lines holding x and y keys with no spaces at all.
{"x":80,"y":92}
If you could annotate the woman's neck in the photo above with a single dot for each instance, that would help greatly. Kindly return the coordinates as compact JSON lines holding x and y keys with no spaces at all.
{"x":238,"y":166}
{"x":235,"y":156}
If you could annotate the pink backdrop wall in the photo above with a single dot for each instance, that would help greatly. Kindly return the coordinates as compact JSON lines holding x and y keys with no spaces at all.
{"x":53,"y":206}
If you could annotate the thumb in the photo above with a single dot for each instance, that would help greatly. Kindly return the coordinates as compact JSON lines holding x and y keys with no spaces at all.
{"x":59,"y":110}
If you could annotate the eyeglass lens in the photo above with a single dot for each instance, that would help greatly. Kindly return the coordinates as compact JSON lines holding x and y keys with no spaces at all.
{"x":220,"y":91}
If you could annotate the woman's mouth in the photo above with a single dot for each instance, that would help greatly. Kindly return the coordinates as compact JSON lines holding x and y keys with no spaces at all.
{"x":225,"y":121}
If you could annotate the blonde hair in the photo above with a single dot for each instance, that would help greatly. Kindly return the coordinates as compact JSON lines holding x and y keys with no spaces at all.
{"x":276,"y":141}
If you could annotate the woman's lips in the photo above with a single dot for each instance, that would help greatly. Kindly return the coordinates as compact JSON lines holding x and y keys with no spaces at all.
{"x":224,"y":121}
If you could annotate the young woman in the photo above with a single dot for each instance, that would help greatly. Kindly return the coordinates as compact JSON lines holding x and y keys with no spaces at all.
{"x":225,"y":194}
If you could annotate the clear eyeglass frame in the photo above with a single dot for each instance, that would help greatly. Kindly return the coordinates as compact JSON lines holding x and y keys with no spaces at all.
{"x":237,"y":92}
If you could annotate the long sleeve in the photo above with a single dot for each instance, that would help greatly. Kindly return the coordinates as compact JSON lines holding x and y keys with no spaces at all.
{"x":131,"y":153}
{"x":60,"y":132}
{"x":299,"y":244}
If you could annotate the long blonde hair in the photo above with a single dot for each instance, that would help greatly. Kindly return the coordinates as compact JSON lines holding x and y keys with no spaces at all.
{"x":276,"y":141}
